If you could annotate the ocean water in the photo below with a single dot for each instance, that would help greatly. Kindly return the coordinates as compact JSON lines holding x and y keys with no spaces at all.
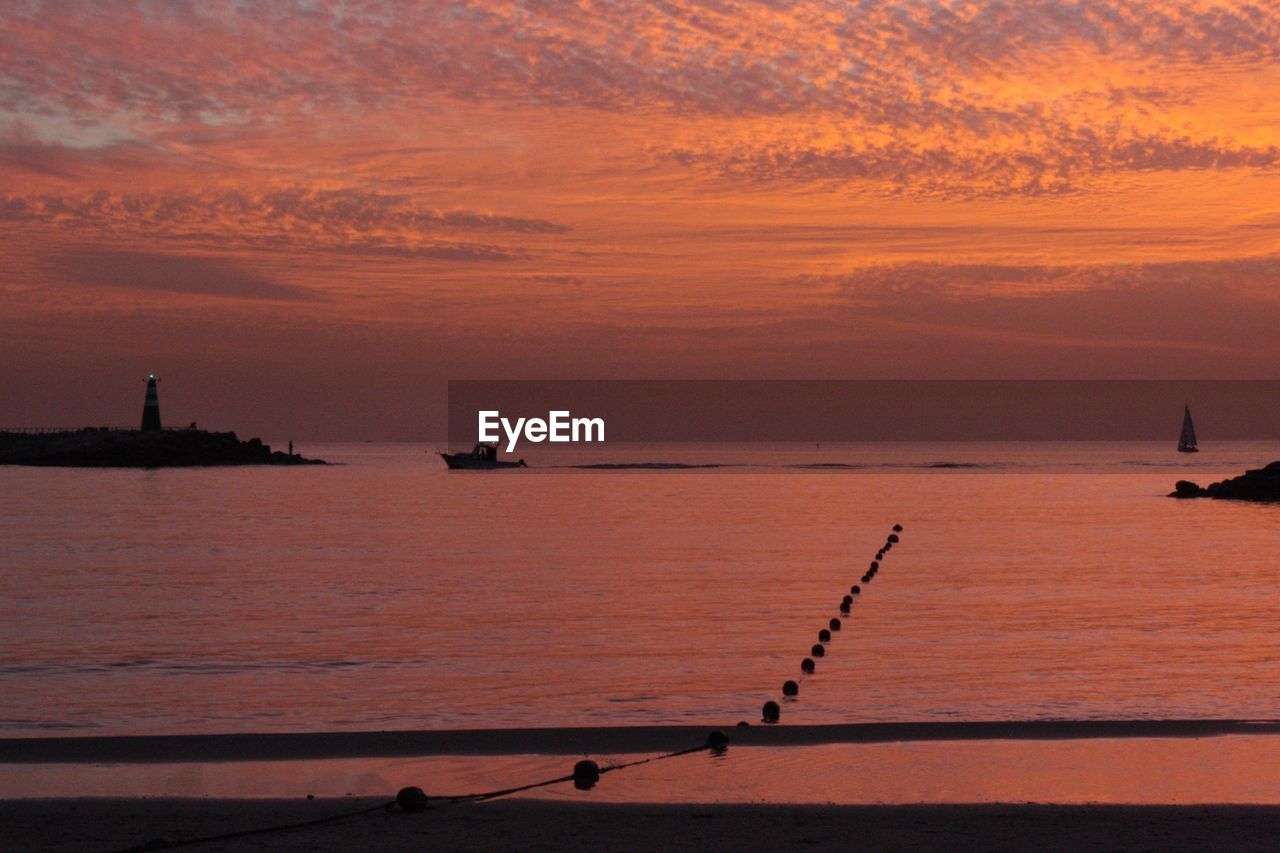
{"x":1032,"y":581}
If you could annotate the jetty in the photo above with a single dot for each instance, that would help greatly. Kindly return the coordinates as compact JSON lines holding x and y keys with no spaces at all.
{"x":149,"y":446}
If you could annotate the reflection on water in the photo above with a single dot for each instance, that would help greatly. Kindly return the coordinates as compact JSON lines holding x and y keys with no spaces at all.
{"x":1047,"y":581}
{"x":1231,"y":769}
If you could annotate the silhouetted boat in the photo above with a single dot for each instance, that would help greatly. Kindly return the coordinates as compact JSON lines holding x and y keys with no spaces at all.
{"x":482,"y":456}
{"x":1187,"y":441}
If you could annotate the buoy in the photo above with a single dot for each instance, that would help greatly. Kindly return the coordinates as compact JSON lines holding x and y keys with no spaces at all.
{"x":771,"y":711}
{"x":874,"y":565}
{"x":806,"y":665}
{"x":893,"y":537}
{"x":743,"y":723}
{"x":897,"y":528}
{"x":848,"y":599}
{"x":411,"y":799}
{"x":817,"y":651}
{"x":835,"y":624}
{"x":855,"y":589}
{"x":845,"y":607}
{"x":586,"y":773}
{"x":824,"y":636}
{"x":718,"y":742}
{"x":790,"y":688}
{"x":866,"y":578}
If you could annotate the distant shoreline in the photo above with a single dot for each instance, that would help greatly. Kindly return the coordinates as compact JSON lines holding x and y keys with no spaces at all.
{"x":146,"y":749}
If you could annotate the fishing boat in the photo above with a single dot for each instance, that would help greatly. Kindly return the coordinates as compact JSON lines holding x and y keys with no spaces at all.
{"x":482,"y":456}
{"x":1187,"y":441}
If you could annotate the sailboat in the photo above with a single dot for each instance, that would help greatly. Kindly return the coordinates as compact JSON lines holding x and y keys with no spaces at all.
{"x":1187,"y":441}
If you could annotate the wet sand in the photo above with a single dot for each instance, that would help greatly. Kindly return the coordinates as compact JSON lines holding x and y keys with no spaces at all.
{"x":551,"y":824}
{"x":579,"y":741}
{"x":65,"y":825}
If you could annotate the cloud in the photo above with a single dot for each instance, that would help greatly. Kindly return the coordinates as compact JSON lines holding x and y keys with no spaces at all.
{"x":555,"y":280}
{"x":1173,"y":305}
{"x":951,"y":98}
{"x":189,"y":274}
{"x":1063,"y":162}
{"x":348,"y":220}
{"x":1255,"y":277}
{"x":231,"y":61}
{"x":61,"y":161}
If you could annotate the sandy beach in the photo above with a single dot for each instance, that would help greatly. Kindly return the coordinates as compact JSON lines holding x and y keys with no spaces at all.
{"x":112,"y":824}
{"x":66,"y":825}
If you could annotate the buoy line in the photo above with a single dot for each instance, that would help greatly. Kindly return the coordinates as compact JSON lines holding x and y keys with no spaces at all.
{"x":586,"y":773}
{"x":771,"y":711}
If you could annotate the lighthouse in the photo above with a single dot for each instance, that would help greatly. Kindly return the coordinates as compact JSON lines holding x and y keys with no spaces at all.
{"x":151,"y":408}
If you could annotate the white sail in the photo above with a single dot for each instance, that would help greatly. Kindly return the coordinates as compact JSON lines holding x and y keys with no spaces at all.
{"x":1187,"y":441}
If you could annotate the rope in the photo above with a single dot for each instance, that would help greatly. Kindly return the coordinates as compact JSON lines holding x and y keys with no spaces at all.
{"x":165,"y":844}
{"x":493,"y":795}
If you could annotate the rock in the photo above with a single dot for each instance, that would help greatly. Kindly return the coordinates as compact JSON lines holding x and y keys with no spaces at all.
{"x":1258,"y":484}
{"x":1187,"y":489}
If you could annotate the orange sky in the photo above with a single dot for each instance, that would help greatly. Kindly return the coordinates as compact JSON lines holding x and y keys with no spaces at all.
{"x":306,"y":219}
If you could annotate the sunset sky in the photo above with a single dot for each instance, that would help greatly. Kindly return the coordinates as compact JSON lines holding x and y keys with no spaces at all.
{"x":306,"y":216}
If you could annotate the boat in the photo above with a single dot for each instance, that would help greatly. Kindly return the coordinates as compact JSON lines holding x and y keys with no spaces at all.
{"x":482,"y":456}
{"x":1187,"y":441}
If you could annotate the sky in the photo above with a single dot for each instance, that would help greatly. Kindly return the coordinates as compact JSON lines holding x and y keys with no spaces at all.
{"x":307,"y":216}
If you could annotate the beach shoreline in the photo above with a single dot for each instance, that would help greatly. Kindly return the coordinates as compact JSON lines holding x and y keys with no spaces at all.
{"x":117,"y":824}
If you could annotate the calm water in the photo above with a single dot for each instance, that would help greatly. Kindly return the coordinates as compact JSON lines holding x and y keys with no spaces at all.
{"x":1234,"y":769}
{"x":1033,"y":581}
{"x":1136,"y":770}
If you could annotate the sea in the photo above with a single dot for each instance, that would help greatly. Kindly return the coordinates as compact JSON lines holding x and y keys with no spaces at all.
{"x":385,"y":592}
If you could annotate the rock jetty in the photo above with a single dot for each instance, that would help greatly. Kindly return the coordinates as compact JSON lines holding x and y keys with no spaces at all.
{"x":122,"y":448}
{"x":1258,"y":484}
